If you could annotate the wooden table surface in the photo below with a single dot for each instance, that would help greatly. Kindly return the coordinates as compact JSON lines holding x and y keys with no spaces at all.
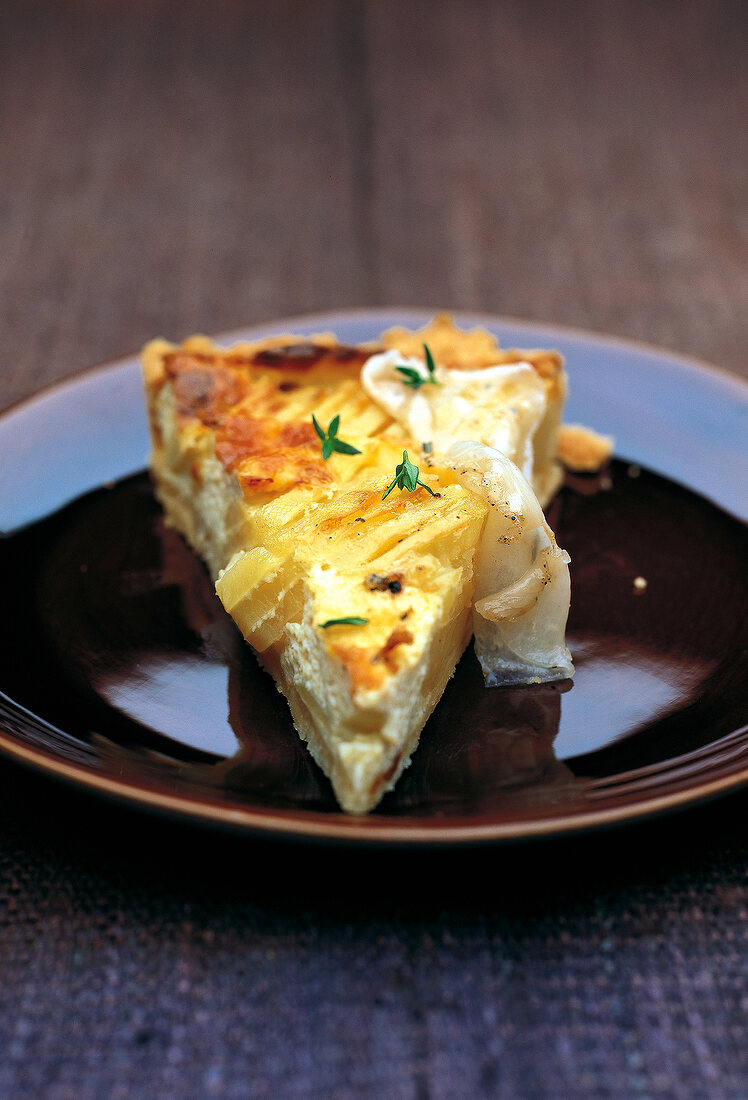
{"x":172,"y":166}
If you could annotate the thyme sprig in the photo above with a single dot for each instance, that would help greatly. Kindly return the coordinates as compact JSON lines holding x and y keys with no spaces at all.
{"x":406,"y":477}
{"x":349,"y":620}
{"x":414,"y":378}
{"x":330,"y":441}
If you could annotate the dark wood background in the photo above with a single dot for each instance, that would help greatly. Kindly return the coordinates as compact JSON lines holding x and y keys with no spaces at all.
{"x":170,"y":166}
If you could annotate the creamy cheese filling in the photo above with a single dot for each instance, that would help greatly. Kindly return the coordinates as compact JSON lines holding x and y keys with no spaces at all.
{"x":501,"y":406}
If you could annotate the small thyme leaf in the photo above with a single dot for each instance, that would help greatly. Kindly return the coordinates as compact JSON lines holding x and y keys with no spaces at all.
{"x":413,"y":377}
{"x":350,"y":620}
{"x":430,"y":364}
{"x":406,"y":477}
{"x":330,"y":442}
{"x":344,"y":448}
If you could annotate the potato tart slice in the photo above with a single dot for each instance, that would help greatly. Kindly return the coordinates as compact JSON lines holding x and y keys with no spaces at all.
{"x":358,"y":601}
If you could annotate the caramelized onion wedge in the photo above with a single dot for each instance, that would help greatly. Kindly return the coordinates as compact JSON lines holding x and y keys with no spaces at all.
{"x":522,"y":584}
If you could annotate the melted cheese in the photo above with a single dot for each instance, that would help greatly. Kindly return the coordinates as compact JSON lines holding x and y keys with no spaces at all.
{"x":501,"y":406}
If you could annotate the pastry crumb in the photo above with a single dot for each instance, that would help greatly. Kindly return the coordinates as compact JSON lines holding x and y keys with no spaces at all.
{"x":581,"y":449}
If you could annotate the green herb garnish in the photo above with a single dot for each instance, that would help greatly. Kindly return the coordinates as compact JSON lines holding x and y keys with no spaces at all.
{"x":406,"y":477}
{"x":351,"y":620}
{"x":330,"y":441}
{"x":414,"y":378}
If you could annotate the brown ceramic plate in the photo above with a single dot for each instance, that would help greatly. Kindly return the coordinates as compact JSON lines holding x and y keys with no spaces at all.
{"x":126,"y":676}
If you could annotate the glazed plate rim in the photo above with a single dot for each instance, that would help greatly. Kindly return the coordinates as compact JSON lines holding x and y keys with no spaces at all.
{"x":302,"y":824}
